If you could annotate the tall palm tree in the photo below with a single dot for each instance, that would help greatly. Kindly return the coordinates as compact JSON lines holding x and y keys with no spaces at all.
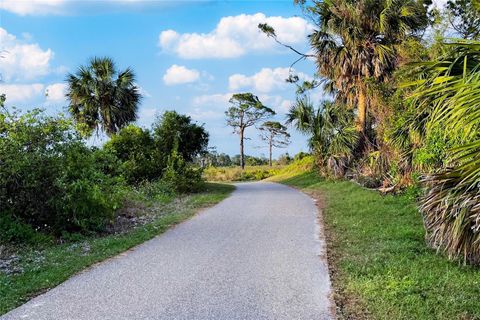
{"x":102,"y":97}
{"x":356,"y":43}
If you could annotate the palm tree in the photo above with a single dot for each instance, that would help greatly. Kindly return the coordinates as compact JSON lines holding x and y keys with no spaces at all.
{"x":356,"y":44}
{"x":331,"y":129}
{"x":102,"y":97}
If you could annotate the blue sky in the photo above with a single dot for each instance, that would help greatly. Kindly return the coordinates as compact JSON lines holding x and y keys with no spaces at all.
{"x":189,"y":56}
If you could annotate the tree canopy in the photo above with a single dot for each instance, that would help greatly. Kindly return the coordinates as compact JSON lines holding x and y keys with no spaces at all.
{"x":245,"y":110}
{"x":101,"y":97}
{"x":172,"y":128}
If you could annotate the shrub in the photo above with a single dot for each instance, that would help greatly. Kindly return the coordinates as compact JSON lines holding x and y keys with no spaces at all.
{"x":15,"y":231}
{"x":49,"y":179}
{"x":172,"y":130}
{"x":180,"y":175}
{"x":135,"y":149}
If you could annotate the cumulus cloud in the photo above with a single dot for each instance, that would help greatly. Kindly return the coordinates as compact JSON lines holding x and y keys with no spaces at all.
{"x":27,"y":7}
{"x":56,"y":92}
{"x":234,"y":36}
{"x":180,"y":75}
{"x":209,"y":106}
{"x":20,"y":60}
{"x":265,"y":80}
{"x":212,"y":100}
{"x":21,"y":92}
{"x":59,"y":7}
{"x":199,"y":114}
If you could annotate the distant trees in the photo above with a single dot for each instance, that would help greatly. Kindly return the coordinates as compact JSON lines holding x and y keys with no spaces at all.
{"x":101,"y":97}
{"x":276,"y":135}
{"x":245,"y":111}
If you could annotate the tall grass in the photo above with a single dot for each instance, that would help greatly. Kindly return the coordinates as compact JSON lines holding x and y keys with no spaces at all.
{"x":250,"y":173}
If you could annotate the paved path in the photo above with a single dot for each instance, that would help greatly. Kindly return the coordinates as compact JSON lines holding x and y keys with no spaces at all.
{"x":253,"y":256}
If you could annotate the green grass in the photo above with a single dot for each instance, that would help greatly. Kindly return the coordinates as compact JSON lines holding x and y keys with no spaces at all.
{"x":379,"y":259}
{"x":49,"y":266}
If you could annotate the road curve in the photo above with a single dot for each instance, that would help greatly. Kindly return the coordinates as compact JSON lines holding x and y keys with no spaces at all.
{"x":256,"y":255}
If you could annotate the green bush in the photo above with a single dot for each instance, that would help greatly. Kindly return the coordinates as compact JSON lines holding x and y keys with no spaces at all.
{"x":49,"y":179}
{"x":135,"y":148}
{"x":180,"y":175}
{"x":15,"y":231}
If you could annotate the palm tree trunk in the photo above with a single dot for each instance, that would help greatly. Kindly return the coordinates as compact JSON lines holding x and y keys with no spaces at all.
{"x":362,"y":111}
{"x":242,"y":156}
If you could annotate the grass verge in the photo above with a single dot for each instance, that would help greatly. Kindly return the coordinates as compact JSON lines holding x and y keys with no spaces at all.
{"x":45,"y":267}
{"x":380,"y":265}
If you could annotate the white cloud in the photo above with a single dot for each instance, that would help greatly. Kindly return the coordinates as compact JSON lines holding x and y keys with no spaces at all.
{"x":26,"y":7}
{"x":56,"y":92}
{"x":21,"y":92}
{"x":147,"y":115}
{"x":22,"y":60}
{"x":57,"y":7}
{"x":234,"y":36}
{"x":199,"y":114}
{"x":285,"y":105}
{"x":180,"y":75}
{"x":265,"y":80}
{"x":209,"y":106}
{"x":212,"y":100}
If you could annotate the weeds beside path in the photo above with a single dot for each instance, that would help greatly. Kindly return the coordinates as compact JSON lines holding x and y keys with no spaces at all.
{"x":35,"y":270}
{"x":380,"y":265}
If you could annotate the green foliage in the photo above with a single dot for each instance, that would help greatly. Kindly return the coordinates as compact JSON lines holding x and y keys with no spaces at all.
{"x":102,"y":97}
{"x":49,"y":178}
{"x":284,"y":159}
{"x":299,"y":156}
{"x":171,"y":128}
{"x":333,"y":137}
{"x":56,"y":262}
{"x":449,"y":89}
{"x":246,"y":110}
{"x":15,"y":231}
{"x":465,"y":18}
{"x":136,"y":150}
{"x":180,"y":175}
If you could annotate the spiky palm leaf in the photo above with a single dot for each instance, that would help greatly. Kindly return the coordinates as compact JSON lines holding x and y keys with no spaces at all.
{"x":357,"y":41}
{"x":331,"y":129}
{"x":451,"y":207}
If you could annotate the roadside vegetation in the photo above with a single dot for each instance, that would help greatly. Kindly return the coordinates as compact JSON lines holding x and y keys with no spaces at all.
{"x":403,"y":79}
{"x":31,"y":269}
{"x":65,"y":204}
{"x":379,"y":264}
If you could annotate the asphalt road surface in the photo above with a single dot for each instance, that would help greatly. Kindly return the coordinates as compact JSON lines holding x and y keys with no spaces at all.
{"x":256,"y":255}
